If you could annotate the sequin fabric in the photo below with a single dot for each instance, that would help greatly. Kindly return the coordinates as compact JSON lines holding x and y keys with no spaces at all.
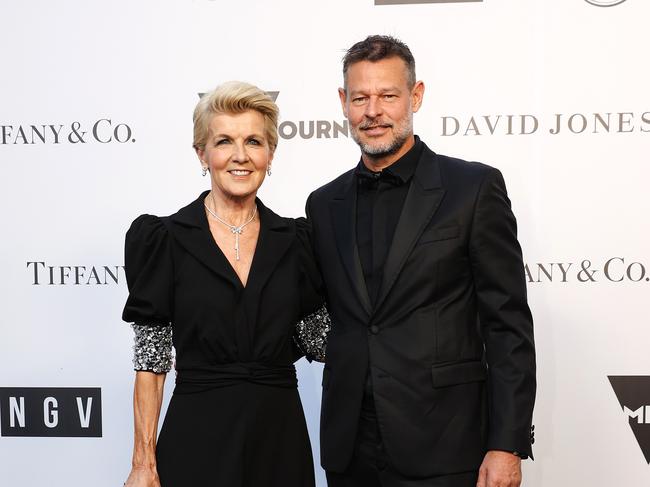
{"x":311,"y":334}
{"x":152,"y":349}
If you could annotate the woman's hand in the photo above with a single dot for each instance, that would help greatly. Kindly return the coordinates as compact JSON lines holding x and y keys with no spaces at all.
{"x":143,"y":477}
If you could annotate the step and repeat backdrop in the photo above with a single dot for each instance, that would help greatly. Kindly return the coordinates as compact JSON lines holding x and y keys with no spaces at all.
{"x":96,"y":102}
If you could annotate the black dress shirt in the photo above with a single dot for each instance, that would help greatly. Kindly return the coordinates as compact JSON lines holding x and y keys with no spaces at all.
{"x":380,"y":198}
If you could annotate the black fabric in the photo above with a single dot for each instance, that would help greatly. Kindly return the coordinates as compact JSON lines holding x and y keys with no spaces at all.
{"x":380,"y":198}
{"x":235,"y":417}
{"x":370,"y":465}
{"x":223,"y":375}
{"x":448,"y":341}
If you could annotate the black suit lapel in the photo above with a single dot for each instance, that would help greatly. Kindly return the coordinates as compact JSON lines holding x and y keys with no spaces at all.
{"x":343,"y":213}
{"x":422,"y":201}
{"x":191,"y":230}
{"x":275,"y":238}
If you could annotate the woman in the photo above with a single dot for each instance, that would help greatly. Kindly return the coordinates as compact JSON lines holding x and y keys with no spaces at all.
{"x":231,"y":279}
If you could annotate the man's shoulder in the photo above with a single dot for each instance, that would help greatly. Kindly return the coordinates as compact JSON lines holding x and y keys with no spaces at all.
{"x":454,"y":166}
{"x":330,"y":189}
{"x":456,"y":172}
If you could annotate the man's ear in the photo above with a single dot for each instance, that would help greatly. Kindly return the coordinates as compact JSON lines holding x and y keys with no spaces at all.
{"x":417,"y":94}
{"x":344,"y":98}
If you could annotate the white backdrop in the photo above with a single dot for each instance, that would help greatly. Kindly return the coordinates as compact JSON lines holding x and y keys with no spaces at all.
{"x":133,"y":70}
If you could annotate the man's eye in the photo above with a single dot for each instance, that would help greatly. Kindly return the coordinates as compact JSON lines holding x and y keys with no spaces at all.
{"x":389,"y":97}
{"x":359,"y":99}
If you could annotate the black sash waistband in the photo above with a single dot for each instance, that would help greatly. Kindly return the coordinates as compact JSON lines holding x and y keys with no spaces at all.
{"x":223,"y":375}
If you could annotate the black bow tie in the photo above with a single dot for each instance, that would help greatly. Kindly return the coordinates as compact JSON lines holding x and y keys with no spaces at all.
{"x":369,"y":178}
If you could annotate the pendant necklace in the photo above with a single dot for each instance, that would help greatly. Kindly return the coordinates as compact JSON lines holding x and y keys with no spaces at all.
{"x":236,"y":230}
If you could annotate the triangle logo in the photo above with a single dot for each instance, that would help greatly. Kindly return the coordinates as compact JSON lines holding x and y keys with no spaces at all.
{"x":633,"y":394}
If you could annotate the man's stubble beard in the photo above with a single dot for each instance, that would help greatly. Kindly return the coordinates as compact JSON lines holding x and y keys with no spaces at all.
{"x":402,"y":132}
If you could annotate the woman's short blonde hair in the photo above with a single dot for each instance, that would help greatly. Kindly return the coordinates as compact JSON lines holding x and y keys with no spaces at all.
{"x":235,"y":97}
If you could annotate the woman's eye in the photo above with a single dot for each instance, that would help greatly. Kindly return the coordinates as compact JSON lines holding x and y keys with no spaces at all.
{"x":254,"y":142}
{"x":221,"y":141}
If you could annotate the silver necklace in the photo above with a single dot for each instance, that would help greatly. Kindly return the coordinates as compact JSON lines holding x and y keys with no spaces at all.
{"x":236,"y":230}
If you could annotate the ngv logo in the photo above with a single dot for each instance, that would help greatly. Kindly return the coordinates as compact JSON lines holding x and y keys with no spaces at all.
{"x":633,"y":394}
{"x":51,"y":412}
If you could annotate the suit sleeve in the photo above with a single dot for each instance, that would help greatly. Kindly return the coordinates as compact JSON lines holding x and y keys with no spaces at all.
{"x":505,"y":319}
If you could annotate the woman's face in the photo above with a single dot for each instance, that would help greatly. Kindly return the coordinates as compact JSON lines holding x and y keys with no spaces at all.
{"x":237,"y":153}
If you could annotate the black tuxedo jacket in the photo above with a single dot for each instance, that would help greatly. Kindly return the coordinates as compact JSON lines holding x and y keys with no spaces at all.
{"x":449,"y":342}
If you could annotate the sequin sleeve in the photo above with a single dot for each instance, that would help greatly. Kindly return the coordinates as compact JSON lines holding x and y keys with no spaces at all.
{"x":152,"y":348}
{"x":311,"y":334}
{"x":149,"y":276}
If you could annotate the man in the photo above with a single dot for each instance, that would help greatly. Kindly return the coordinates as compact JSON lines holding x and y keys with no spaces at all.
{"x":430,"y":371}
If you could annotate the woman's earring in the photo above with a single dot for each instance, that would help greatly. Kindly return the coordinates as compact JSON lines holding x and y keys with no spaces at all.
{"x":268,"y":170}
{"x":205,"y":170}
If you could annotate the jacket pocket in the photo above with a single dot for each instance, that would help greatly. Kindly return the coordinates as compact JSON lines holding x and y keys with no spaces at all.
{"x":436,"y":234}
{"x":458,"y":373}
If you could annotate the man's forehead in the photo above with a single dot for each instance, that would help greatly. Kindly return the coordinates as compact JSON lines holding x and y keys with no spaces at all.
{"x":377,"y":82}
{"x":376,"y":88}
{"x":391,"y":70}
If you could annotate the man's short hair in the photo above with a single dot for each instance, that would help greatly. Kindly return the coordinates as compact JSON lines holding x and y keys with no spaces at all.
{"x":377,"y":47}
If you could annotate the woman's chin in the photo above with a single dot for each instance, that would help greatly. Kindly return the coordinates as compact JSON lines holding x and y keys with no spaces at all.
{"x":238,"y":193}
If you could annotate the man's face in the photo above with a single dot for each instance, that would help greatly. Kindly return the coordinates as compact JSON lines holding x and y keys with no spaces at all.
{"x":379,"y":105}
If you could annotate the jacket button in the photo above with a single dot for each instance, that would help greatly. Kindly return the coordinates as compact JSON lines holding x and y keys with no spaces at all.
{"x":374,"y":329}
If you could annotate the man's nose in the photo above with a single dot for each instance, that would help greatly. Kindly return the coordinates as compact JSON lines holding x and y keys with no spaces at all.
{"x":373,"y":107}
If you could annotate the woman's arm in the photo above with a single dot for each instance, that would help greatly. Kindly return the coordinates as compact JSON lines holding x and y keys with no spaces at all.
{"x":149,"y":267}
{"x":147,"y":400}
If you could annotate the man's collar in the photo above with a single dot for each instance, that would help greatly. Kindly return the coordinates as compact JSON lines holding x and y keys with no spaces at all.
{"x":402,"y":169}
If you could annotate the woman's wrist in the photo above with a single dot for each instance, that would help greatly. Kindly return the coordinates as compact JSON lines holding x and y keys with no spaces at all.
{"x":144,"y":458}
{"x":143,"y":466}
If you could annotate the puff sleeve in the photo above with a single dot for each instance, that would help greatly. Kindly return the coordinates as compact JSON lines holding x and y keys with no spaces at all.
{"x":149,"y":275}
{"x":311,"y":331}
{"x":311,"y":282}
{"x":149,"y":272}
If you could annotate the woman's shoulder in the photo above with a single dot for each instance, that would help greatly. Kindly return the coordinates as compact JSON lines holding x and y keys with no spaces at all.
{"x":300,"y":226}
{"x":271,"y":219}
{"x":153,"y":226}
{"x":303,"y":227}
{"x":146,"y":228}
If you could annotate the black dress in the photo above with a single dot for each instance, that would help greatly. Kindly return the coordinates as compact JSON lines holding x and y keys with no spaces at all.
{"x":235,"y":418}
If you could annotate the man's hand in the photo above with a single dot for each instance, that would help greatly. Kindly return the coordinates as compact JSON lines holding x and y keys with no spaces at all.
{"x":499,"y":469}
